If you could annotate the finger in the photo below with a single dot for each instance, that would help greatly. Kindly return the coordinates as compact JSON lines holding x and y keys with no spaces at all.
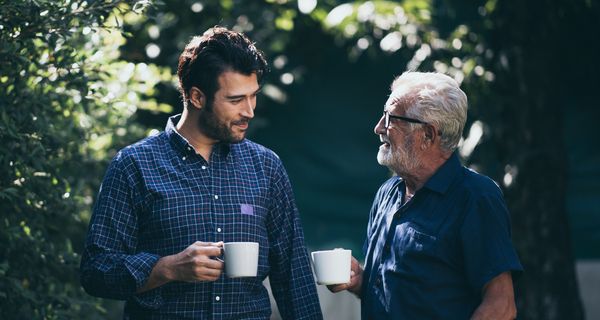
{"x":337,"y":287}
{"x":210,"y":251}
{"x":218,"y":244}
{"x":213,"y":264}
{"x":208,"y":244}
{"x":208,"y":274}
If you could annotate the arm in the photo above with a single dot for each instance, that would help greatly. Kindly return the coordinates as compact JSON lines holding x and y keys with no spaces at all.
{"x":195,"y":263}
{"x":290,"y":274}
{"x":111,"y":266}
{"x":489,"y":256}
{"x":498,"y":300}
{"x":355,"y":284}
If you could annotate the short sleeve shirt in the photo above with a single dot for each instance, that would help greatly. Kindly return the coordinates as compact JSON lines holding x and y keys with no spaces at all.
{"x":440,"y":248}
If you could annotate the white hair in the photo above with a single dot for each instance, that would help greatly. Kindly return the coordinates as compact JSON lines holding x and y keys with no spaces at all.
{"x":436,"y":99}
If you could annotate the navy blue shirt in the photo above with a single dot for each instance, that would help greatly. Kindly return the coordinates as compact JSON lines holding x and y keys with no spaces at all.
{"x":159,"y":196}
{"x":439,"y":249}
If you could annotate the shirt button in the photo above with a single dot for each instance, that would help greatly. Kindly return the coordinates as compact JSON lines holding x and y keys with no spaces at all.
{"x":218,"y":229}
{"x":218,"y":298}
{"x":378,"y":281}
{"x":183,"y":158}
{"x":216,"y":196}
{"x":203,"y":167}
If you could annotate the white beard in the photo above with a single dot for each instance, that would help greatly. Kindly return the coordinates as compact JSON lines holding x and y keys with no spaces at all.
{"x":402,"y":161}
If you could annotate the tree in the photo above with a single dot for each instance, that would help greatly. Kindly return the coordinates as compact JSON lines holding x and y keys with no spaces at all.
{"x":544,"y":57}
{"x":65,"y":105}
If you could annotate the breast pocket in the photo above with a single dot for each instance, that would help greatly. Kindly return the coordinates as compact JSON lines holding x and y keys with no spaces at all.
{"x":410,"y":244}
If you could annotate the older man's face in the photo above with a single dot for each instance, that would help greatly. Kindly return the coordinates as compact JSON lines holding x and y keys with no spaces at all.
{"x":399,"y":149}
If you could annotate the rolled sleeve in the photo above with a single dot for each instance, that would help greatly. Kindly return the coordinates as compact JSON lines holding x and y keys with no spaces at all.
{"x":140,"y":266}
{"x":110,"y":266}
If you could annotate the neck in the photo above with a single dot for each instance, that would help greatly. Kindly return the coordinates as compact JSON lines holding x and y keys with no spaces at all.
{"x":416,"y":178}
{"x":188,"y":128}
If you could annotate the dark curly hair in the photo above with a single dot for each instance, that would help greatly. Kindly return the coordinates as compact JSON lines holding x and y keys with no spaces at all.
{"x":218,"y":50}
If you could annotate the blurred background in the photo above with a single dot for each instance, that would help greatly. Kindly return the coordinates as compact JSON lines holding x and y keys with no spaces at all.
{"x":81,"y":79}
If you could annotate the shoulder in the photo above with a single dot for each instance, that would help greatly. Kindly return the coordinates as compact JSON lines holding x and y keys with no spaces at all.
{"x":143,"y":149}
{"x":483,"y":197}
{"x":257,"y":152}
{"x":478,"y":184}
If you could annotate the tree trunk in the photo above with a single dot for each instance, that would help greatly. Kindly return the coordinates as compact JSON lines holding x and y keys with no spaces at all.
{"x":529,"y":39}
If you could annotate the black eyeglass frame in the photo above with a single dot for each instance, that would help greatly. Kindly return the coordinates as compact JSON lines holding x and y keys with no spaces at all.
{"x":387,"y":116}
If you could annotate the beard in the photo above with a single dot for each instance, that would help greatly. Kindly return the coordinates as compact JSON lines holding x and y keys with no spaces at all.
{"x":403,"y":160}
{"x":216,"y":129}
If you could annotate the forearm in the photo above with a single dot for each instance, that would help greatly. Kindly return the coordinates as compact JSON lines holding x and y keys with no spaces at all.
{"x":116,"y":276}
{"x":161,"y":274}
{"x":498,"y":310}
{"x":498,"y":301}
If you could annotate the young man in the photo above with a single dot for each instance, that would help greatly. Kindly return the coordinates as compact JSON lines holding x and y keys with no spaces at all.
{"x":439,"y":234}
{"x":169,"y":202}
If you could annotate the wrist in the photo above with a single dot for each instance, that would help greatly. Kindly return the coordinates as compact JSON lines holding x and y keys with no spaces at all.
{"x":164,"y":269}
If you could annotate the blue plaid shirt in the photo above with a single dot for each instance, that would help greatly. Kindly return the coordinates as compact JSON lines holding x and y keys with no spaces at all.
{"x":158,"y":197}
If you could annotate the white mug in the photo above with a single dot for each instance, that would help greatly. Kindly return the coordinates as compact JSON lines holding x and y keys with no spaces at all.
{"x":332,"y":266}
{"x":241,"y":259}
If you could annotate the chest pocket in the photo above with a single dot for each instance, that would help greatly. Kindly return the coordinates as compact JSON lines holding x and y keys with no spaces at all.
{"x":411,"y":244}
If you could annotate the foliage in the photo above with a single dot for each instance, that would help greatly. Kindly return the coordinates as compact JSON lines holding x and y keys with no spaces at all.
{"x":66,"y":104}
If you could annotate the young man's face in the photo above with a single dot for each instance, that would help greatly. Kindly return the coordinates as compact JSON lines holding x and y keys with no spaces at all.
{"x":232,"y":107}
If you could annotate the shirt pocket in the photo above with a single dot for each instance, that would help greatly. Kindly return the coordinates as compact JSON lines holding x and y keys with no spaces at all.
{"x":247,"y":223}
{"x":410,"y":245}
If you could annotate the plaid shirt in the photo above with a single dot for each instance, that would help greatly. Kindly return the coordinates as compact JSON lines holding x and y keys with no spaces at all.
{"x":158,"y":197}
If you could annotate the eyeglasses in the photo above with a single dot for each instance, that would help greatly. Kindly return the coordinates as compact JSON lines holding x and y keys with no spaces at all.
{"x":387,"y":116}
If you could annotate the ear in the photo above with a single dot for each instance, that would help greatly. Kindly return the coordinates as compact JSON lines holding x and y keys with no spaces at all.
{"x":430,"y":135}
{"x":197,"y":98}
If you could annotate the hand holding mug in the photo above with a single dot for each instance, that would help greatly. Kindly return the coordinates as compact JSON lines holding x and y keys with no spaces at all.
{"x":355,"y":283}
{"x":198,"y":262}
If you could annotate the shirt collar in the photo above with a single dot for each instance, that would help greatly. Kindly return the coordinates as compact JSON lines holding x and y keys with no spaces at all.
{"x":445,"y":175}
{"x":181,"y":144}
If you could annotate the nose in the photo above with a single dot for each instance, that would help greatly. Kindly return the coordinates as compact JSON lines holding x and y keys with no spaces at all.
{"x":379,"y":127}
{"x":248,"y":108}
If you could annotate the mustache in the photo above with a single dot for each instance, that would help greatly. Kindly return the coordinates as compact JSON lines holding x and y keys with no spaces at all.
{"x":242,"y":121}
{"x":383,"y":138}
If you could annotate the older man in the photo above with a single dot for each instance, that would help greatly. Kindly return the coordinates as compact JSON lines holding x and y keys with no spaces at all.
{"x":438,"y":240}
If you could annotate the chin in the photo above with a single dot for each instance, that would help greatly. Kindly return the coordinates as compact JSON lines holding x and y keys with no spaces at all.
{"x":384,"y":158}
{"x":237,"y":139}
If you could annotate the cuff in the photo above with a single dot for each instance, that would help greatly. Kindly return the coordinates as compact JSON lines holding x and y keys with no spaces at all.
{"x":140,"y":266}
{"x":515,"y":269}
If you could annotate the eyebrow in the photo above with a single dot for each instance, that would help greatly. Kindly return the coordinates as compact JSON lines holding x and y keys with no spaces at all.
{"x":243,"y":95}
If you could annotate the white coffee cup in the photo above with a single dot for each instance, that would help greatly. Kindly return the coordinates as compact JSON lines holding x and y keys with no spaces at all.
{"x":332,"y":266}
{"x":241,"y":259}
